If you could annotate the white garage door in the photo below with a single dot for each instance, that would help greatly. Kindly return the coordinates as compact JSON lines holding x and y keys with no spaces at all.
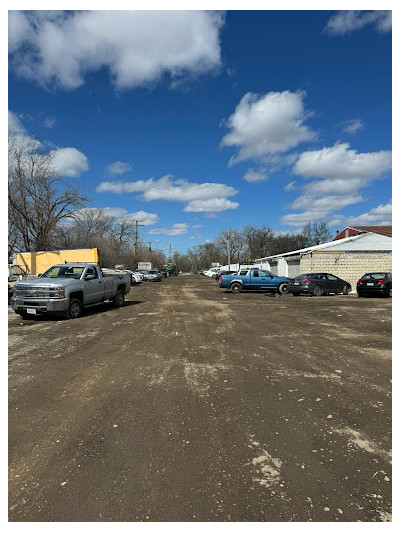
{"x":293,"y":268}
{"x":274,"y":267}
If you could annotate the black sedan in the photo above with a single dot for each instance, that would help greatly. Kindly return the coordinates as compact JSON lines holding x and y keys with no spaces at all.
{"x":375,"y":283}
{"x":318,"y":284}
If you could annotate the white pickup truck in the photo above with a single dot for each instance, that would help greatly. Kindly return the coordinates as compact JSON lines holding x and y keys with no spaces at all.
{"x":67,"y":288}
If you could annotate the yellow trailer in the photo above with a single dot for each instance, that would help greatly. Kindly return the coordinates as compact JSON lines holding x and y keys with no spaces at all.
{"x":38,"y":262}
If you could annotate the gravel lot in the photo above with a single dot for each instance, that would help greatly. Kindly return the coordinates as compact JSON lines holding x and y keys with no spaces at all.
{"x":194,"y":404}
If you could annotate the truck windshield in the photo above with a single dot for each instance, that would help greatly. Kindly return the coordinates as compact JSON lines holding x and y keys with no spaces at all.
{"x":70,"y":272}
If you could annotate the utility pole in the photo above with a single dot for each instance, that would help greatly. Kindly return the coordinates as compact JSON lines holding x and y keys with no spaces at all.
{"x":137,"y":236}
{"x":229,"y":248}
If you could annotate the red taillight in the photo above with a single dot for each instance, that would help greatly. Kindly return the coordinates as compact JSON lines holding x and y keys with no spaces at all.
{"x":289,"y":282}
{"x":220,"y":279}
{"x":306,"y":280}
{"x":381,"y":282}
{"x":359,"y":282}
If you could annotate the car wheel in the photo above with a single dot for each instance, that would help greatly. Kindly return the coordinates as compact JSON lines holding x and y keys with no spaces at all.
{"x":318,"y":291}
{"x":236,"y":288}
{"x":345,"y":289}
{"x":282,"y":289}
{"x":74,"y":308}
{"x":119,"y":298}
{"x":360,"y":294}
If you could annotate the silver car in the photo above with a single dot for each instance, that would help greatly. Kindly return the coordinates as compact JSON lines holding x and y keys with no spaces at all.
{"x":153,"y":275}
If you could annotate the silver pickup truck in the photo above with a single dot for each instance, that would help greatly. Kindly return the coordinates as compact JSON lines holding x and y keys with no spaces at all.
{"x":67,"y":288}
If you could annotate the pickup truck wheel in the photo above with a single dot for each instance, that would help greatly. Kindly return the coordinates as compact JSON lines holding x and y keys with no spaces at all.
{"x":318,"y":291}
{"x":74,"y":308}
{"x":282,"y":289}
{"x":119,"y":298}
{"x":236,"y":288}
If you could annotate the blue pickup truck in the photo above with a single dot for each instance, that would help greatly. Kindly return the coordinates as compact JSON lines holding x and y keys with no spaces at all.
{"x":255,"y":279}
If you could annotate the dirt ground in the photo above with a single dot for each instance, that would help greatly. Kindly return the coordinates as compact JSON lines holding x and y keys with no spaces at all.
{"x":194,"y":404}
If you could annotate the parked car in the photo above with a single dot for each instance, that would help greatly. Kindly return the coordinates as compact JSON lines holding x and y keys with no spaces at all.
{"x":163,"y":272}
{"x":318,"y":283}
{"x":225,"y":273}
{"x":153,"y":275}
{"x":375,"y":283}
{"x":211,"y":273}
{"x":255,"y":279}
{"x":68,"y":287}
{"x":137,"y":278}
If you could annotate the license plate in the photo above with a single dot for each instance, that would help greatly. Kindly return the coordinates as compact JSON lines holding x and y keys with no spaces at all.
{"x":296,"y":283}
{"x":370,"y":284}
{"x":31,"y":311}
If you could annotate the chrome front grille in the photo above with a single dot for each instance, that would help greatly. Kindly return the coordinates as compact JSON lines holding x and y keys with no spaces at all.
{"x":27,"y":292}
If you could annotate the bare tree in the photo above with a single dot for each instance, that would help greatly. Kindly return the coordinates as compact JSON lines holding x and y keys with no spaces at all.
{"x":232,"y":240}
{"x":38,"y":198}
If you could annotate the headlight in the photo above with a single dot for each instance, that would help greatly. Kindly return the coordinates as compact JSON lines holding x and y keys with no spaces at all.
{"x":60,"y":292}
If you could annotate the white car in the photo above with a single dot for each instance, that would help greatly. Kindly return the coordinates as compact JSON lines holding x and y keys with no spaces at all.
{"x":136,"y":278}
{"x":211,"y":273}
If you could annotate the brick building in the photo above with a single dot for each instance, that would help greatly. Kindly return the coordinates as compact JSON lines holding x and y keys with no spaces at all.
{"x":348,"y":258}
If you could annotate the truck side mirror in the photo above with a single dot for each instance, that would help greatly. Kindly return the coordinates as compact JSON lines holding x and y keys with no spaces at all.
{"x":89,"y":277}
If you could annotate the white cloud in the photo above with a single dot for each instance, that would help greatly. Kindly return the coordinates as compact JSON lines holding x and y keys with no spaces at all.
{"x":119,"y":168}
{"x":212,"y":205}
{"x":69,"y":162}
{"x":377,"y":216}
{"x":340,"y":162}
{"x":49,"y":122}
{"x":197,"y":226}
{"x":253,"y":176}
{"x":175,"y":229}
{"x":345,"y":22}
{"x":324,"y":204}
{"x":342,"y":173}
{"x":147,"y":219}
{"x":168,"y":189}
{"x":122,"y":215}
{"x":137,"y":47}
{"x":268,"y":124}
{"x":15,"y":125}
{"x":290,"y":186}
{"x":352,"y":126}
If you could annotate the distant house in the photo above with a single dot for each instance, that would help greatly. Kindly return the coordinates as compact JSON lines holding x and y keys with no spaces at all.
{"x":348,"y":258}
{"x":350,"y":231}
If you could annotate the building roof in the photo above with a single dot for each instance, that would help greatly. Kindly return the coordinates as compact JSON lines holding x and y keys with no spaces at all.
{"x":380,"y":230}
{"x":366,"y":242}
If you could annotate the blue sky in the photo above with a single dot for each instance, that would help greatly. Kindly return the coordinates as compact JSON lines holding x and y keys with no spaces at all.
{"x":196,"y":121}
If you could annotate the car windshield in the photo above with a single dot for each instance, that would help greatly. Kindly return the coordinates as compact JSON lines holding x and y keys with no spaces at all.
{"x":71,"y":272}
{"x":153,"y":271}
{"x":375,"y":275}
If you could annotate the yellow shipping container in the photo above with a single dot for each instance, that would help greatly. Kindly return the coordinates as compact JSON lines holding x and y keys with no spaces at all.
{"x":38,"y":262}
